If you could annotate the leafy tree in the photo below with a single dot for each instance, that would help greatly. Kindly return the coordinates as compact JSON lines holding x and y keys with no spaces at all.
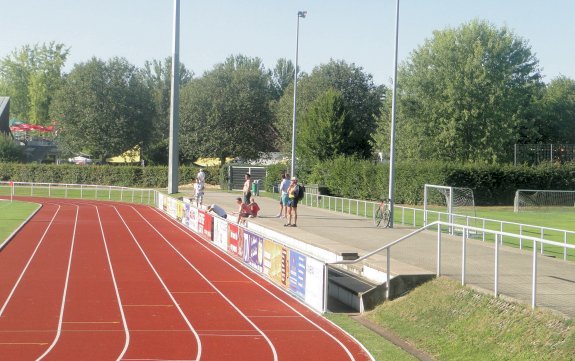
{"x":282,"y":77}
{"x":31,"y":76}
{"x":10,"y":151}
{"x":557,"y":122}
{"x":103,"y":108}
{"x":361,"y":100}
{"x":157,"y":77}
{"x":226,"y":112}
{"x":467,"y":95}
{"x":323,"y":128}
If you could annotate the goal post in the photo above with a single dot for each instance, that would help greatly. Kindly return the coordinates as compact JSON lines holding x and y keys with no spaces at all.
{"x":542,"y":199}
{"x":456,"y":200}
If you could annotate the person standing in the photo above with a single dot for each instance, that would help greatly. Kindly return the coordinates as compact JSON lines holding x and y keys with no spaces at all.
{"x":199,"y":189}
{"x":247,"y":189}
{"x":201,"y":177}
{"x":292,"y":191}
{"x":284,"y":185}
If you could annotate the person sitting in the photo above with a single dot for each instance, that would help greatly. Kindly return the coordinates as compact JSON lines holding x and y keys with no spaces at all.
{"x":254,"y":208}
{"x":243,"y":211}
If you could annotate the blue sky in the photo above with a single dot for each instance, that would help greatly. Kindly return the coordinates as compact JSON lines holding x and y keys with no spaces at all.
{"x":358,"y":31}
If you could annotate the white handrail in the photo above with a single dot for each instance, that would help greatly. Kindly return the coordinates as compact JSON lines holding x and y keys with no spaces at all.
{"x":465,"y":229}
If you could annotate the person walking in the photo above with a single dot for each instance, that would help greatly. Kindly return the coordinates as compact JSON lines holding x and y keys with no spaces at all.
{"x":199,"y":192}
{"x":284,"y":185}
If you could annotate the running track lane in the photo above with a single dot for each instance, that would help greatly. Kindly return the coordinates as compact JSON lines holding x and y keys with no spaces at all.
{"x":173,"y":286}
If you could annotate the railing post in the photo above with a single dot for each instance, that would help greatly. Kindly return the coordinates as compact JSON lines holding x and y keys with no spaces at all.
{"x":463,"y":255}
{"x":438,"y":272}
{"x":534,"y":277}
{"x":565,"y":248}
{"x":325,"y":286}
{"x":387,"y":274}
{"x":496,"y":285}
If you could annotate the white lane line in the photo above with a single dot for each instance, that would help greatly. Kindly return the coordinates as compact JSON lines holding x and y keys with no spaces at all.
{"x":190,"y":234}
{"x":59,"y":331}
{"x":270,"y":343}
{"x":199,"y":352}
{"x":120,"y":306}
{"x":28,"y":263}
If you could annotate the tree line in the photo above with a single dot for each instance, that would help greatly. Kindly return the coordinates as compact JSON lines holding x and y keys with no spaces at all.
{"x":467,"y":94}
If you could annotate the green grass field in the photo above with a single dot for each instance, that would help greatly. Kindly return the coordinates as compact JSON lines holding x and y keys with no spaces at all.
{"x":12,"y":214}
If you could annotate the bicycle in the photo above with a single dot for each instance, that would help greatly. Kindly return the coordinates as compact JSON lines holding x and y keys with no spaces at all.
{"x":382,"y":215}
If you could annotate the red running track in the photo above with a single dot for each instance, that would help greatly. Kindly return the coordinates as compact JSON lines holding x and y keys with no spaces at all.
{"x":111,"y":281}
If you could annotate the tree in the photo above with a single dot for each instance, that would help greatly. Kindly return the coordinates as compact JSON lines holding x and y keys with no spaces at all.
{"x":31,"y":76}
{"x":10,"y":150}
{"x":103,"y":109}
{"x":323,"y":128}
{"x":467,"y":95}
{"x":226,"y":112}
{"x":282,"y":76}
{"x":157,"y":77}
{"x":361,"y":100}
{"x":557,"y":122}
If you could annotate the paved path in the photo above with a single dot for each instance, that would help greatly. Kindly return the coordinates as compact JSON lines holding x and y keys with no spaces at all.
{"x":339,"y":233}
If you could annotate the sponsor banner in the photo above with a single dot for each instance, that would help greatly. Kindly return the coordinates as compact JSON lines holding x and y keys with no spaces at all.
{"x":314,"y":279}
{"x":297,"y":272}
{"x":207,"y":221}
{"x":186,"y":220}
{"x":254,"y":252}
{"x":172,"y":207}
{"x":236,"y":240}
{"x":221,"y":233}
{"x":193,"y":225}
{"x":274,"y":262}
{"x":179,"y":211}
{"x":161,"y":204}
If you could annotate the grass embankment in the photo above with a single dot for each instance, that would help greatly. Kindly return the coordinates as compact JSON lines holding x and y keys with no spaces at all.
{"x":12,"y":214}
{"x":452,"y":322}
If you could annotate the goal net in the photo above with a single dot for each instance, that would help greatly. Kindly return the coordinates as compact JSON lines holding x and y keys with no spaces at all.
{"x":451,"y":201}
{"x":540,"y":200}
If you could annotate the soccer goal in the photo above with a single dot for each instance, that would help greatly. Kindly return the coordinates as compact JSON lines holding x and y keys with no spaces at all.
{"x":540,"y":200}
{"x":451,"y":200}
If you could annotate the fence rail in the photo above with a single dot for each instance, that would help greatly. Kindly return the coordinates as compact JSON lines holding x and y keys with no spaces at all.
{"x":415,"y":217}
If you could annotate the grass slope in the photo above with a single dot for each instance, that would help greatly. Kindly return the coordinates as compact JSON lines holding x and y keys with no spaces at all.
{"x":453,"y":322}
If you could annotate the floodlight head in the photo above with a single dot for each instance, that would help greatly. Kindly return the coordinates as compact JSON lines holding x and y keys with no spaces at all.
{"x":302,"y":14}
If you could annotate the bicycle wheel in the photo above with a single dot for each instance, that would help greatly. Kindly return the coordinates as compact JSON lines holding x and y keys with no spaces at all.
{"x":377,"y":217}
{"x":386,"y":217}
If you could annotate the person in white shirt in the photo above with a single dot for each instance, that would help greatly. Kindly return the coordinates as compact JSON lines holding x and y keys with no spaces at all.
{"x":284,"y":185}
{"x":201,"y":177}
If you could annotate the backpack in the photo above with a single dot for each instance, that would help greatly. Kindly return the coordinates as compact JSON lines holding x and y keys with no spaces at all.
{"x":300,"y":192}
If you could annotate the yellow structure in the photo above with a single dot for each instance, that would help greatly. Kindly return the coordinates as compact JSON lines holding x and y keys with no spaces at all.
{"x":128,"y":157}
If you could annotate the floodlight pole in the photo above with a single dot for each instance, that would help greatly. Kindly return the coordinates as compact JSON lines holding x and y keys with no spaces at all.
{"x":393,"y":111}
{"x":173,"y":163}
{"x":300,"y":14}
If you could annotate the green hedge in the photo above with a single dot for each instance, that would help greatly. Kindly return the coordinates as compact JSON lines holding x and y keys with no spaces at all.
{"x":491,"y":184}
{"x":344,"y":177}
{"x":127,"y":176}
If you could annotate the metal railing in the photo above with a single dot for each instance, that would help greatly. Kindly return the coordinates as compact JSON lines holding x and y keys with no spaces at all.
{"x":415,"y":217}
{"x":79,"y":191}
{"x":465,"y":230}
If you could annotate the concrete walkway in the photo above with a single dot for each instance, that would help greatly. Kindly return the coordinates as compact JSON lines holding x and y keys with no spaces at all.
{"x":344,"y":233}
